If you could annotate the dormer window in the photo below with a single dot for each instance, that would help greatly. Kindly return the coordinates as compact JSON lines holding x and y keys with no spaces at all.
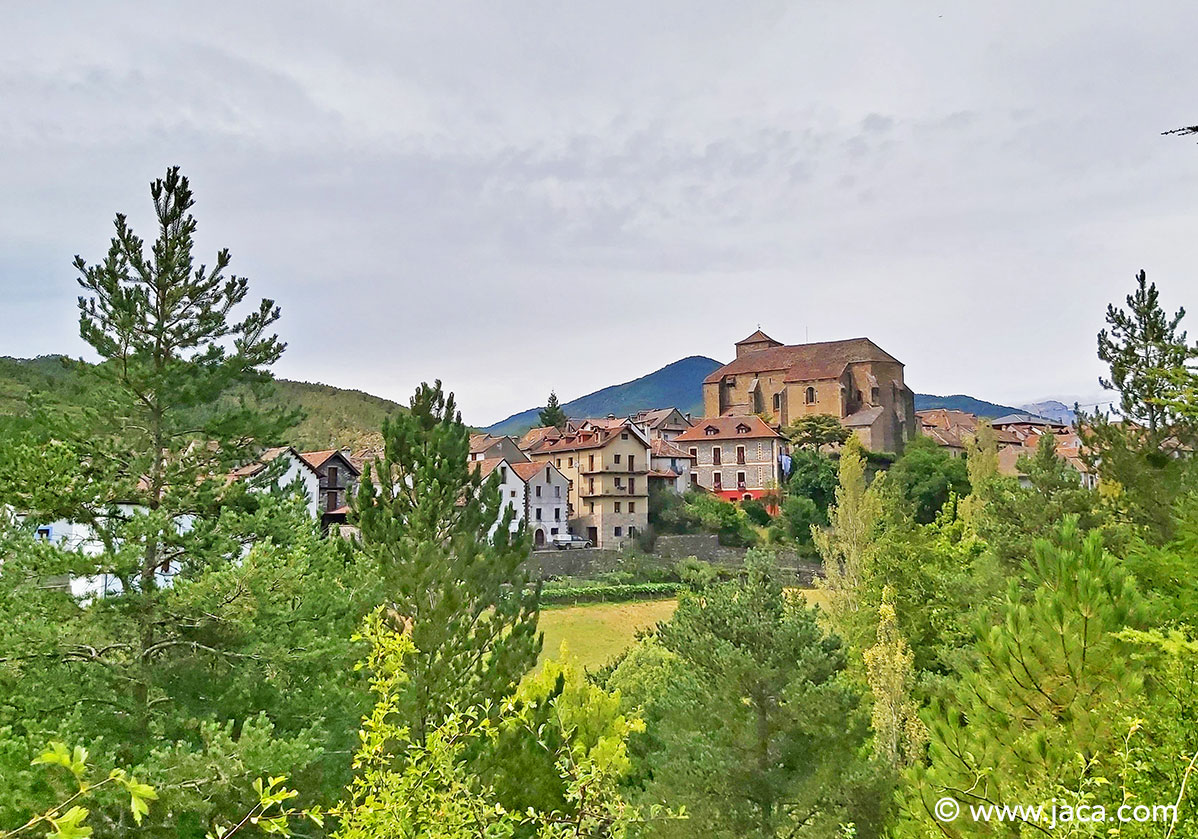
{"x":711,"y":431}
{"x":742,"y":429}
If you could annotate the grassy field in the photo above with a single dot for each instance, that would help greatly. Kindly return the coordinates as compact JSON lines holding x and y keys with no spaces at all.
{"x":596,"y":633}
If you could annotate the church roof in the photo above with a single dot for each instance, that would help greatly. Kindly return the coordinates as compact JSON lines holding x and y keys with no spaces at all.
{"x":805,"y":362}
{"x":757,"y":338}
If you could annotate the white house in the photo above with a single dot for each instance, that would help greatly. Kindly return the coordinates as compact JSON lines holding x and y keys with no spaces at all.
{"x":538,"y":492}
{"x":669,"y":465}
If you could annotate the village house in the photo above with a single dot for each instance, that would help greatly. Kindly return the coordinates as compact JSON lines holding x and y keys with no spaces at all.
{"x":537,"y":492}
{"x":735,"y":457}
{"x":952,"y":430}
{"x":607,"y":467}
{"x":338,"y":481}
{"x":484,"y":446}
{"x":669,"y":466}
{"x":855,"y":381}
{"x":662,"y":423}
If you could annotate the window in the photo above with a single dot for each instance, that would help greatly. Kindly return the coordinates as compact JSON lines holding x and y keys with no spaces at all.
{"x":632,"y":506}
{"x":590,"y":461}
{"x":695,"y":454}
{"x":43,"y":534}
{"x":631,"y":463}
{"x":590,"y":506}
{"x":810,"y":396}
{"x":740,"y":454}
{"x":557,"y":514}
{"x":631,"y":531}
{"x":538,"y":513}
{"x":547,"y":480}
{"x":743,"y":429}
{"x":332,"y":477}
{"x":873,"y":395}
{"x":559,"y":463}
{"x":590,"y":484}
{"x":695,"y":479}
{"x":858,"y":396}
{"x":619,"y":484}
{"x":632,"y":485}
{"x":618,"y":507}
{"x":617,"y":458}
{"x":624,"y":436}
{"x":777,"y":402}
{"x":503,"y":474}
{"x":553,"y":531}
{"x":740,"y":480}
{"x":717,"y":481}
{"x":332,"y":500}
{"x":512,"y":494}
{"x":557,"y":492}
{"x":538,"y":492}
{"x":619,"y":531}
{"x":711,"y":431}
{"x":716,"y":456}
{"x":569,"y":461}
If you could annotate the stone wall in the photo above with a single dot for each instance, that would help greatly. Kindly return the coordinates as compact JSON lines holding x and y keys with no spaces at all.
{"x":668,"y":550}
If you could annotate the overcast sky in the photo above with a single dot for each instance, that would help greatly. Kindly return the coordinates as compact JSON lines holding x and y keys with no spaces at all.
{"x":515,"y":197}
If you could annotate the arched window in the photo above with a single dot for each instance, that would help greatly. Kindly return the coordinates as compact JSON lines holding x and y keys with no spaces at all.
{"x":810,"y":396}
{"x":777,"y":402}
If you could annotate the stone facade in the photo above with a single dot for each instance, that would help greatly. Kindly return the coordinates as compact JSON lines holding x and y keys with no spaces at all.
{"x":846,"y":379}
{"x":735,"y":457}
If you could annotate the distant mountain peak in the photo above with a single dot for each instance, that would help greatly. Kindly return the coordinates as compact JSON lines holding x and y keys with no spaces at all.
{"x":679,"y":385}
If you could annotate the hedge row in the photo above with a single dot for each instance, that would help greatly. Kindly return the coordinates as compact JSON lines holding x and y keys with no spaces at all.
{"x":607,"y":593}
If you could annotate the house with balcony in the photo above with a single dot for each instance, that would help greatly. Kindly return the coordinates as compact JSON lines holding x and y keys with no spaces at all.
{"x":338,"y":481}
{"x":670,"y":466}
{"x":607,"y":466}
{"x":734,"y":457}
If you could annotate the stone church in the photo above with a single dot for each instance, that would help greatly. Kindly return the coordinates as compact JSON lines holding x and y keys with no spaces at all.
{"x":854,"y":380}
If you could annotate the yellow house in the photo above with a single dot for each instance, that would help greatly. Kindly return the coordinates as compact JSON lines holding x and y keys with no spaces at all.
{"x":608,"y":470}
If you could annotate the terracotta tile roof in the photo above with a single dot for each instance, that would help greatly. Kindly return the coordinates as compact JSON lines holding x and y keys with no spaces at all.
{"x":726,"y":429}
{"x":251,"y":469}
{"x":487,"y":466}
{"x":534,"y":436}
{"x":481,"y":442}
{"x":528,"y":469}
{"x":805,"y":362}
{"x":588,"y":439}
{"x":667,"y":474}
{"x":655,"y":417}
{"x":318,"y":459}
{"x":757,"y":338}
{"x":664,"y":448}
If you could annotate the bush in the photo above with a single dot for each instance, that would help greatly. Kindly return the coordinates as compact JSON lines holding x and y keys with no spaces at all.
{"x":757,"y":512}
{"x":600,"y":593}
{"x":799,"y":513}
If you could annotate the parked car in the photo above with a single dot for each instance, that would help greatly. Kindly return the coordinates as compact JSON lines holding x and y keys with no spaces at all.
{"x":566,"y":541}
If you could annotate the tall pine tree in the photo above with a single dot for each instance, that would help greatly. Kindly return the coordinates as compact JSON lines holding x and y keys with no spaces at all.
{"x":553,"y":415}
{"x":454,"y":570}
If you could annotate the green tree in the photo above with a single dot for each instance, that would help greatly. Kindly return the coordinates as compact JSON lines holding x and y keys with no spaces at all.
{"x":750,"y":724}
{"x":813,"y":431}
{"x":406,"y":787}
{"x":1033,"y":713}
{"x":453,"y":569}
{"x":813,"y":475}
{"x":553,"y":415}
{"x":927,"y":476}
{"x":216,"y":591}
{"x":846,"y":547}
{"x":1142,"y":345}
{"x":899,"y":733}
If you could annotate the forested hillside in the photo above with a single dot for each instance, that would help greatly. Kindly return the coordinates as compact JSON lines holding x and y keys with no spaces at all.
{"x":333,"y":416}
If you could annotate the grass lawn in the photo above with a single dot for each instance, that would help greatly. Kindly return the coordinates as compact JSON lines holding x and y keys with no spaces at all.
{"x":596,"y":633}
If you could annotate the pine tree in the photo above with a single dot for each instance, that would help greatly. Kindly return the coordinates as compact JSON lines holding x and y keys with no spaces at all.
{"x":453,"y":569}
{"x":1035,"y":712}
{"x":553,"y":415}
{"x":1143,"y":347}
{"x":210,"y":590}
